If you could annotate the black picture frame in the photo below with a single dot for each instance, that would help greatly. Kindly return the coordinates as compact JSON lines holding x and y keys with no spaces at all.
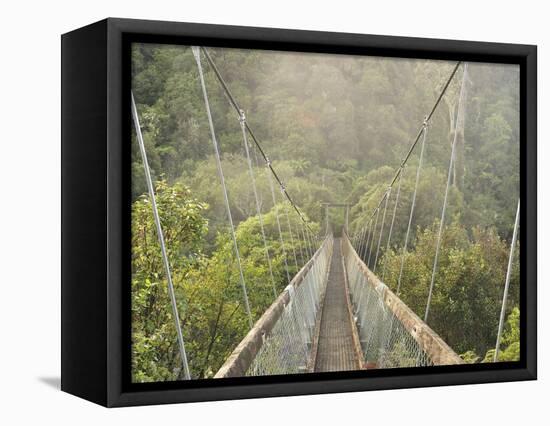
{"x":95,"y":211}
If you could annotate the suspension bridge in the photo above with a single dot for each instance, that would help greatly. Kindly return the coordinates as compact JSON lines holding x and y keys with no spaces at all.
{"x":336,"y":313}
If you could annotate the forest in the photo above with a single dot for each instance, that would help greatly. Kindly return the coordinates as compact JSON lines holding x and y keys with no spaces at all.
{"x":335,"y":127}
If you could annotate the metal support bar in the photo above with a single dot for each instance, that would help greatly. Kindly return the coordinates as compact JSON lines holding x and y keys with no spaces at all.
{"x":507,"y":285}
{"x":160,"y":236}
{"x":196,"y":53}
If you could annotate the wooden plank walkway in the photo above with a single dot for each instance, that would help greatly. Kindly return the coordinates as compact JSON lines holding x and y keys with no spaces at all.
{"x":335,"y":348}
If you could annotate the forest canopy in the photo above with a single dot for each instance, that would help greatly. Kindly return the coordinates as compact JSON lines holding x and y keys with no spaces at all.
{"x":335,"y":127}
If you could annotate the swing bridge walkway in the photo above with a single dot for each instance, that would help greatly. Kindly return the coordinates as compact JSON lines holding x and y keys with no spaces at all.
{"x":336,"y":313}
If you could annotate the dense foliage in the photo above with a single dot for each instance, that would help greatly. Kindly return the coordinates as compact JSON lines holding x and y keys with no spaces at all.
{"x":335,"y":127}
{"x":206,"y":286}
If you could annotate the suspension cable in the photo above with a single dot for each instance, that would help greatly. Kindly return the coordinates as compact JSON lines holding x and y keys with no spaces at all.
{"x":427,"y":119}
{"x":301,"y":247}
{"x":381,"y":230}
{"x":391,"y":224}
{"x":235,"y":105}
{"x":300,"y":240}
{"x":160,"y":236}
{"x":307,"y":243}
{"x":362,"y":240}
{"x":507,"y":285}
{"x":242,"y":121}
{"x":196,"y":53}
{"x":357,"y":239}
{"x":373,"y":232}
{"x":291,"y":236}
{"x":443,"y":210}
{"x":413,"y":205}
{"x":276,"y":207}
{"x":365,"y":244}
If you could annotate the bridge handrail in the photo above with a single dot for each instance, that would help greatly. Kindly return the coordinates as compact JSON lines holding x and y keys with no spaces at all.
{"x":439,"y":352}
{"x":240,"y":360}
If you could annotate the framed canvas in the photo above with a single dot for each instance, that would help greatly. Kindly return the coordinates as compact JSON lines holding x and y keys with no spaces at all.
{"x":255,"y":212}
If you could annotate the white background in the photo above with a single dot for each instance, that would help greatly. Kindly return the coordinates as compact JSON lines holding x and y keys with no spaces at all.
{"x":30,"y":211}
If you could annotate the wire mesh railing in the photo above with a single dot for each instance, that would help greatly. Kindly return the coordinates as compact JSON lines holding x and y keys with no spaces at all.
{"x":281,"y":340}
{"x":391,"y":334}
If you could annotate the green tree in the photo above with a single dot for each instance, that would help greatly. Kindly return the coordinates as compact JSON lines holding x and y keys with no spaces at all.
{"x":468,"y":287}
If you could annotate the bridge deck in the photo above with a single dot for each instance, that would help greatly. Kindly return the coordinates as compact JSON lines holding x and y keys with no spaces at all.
{"x":335,"y":348}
